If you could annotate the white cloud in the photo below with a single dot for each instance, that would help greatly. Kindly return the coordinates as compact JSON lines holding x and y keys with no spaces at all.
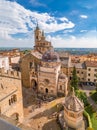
{"x":68,"y":31}
{"x":37,"y":3}
{"x":89,"y":40}
{"x":16,"y":19}
{"x":83,"y":30}
{"x":84,"y":16}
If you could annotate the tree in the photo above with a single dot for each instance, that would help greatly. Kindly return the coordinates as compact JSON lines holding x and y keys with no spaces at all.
{"x":74,"y":80}
{"x":96,"y":83}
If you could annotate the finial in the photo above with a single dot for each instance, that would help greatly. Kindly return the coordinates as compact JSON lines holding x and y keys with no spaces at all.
{"x":73,"y":93}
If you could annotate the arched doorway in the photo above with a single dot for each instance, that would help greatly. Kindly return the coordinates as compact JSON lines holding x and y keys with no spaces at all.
{"x":34,"y":84}
{"x":46,"y":90}
{"x":15,"y":116}
{"x":70,"y":77}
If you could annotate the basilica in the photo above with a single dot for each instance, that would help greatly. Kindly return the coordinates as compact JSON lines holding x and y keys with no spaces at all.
{"x":41,"y":69}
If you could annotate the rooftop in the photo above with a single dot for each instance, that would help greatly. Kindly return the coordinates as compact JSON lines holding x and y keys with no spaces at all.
{"x":72,"y":103}
{"x":91,"y":63}
{"x":50,"y":56}
{"x":36,"y":54}
{"x":78,"y":65}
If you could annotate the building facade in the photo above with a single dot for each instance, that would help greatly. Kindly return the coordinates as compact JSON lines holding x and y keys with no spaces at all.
{"x":4,"y":62}
{"x":41,"y":68}
{"x":73,"y":111}
{"x":91,"y":67}
{"x":50,"y":78}
{"x":11,"y":101}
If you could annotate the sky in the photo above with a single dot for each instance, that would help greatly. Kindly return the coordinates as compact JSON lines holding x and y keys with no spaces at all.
{"x":66,"y":23}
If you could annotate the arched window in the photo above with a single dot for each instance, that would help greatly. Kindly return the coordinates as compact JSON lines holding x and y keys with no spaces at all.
{"x":46,"y":81}
{"x":11,"y":100}
{"x":30,"y":65}
{"x":71,"y":114}
{"x":14,"y":98}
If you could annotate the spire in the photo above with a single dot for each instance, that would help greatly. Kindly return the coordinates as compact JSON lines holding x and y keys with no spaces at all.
{"x":37,"y":26}
{"x":42,"y":33}
{"x":43,"y":37}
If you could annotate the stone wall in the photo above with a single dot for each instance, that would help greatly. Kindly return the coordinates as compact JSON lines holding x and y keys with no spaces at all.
{"x":26,"y":70}
{"x":10,"y":86}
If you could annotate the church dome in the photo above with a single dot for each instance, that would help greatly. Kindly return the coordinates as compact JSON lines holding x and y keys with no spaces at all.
{"x":50,"y":56}
{"x":72,"y":103}
{"x":62,"y":76}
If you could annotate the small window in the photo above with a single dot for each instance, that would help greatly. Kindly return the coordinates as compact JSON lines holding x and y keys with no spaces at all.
{"x":12,"y":100}
{"x":82,"y":72}
{"x":30,"y":65}
{"x":41,"y":88}
{"x":51,"y":91}
{"x":80,"y":114}
{"x":71,"y":114}
{"x":88,"y":79}
{"x":95,"y":80}
{"x":89,"y":74}
{"x":46,"y":81}
{"x":37,"y":37}
{"x":60,"y":87}
{"x":89,"y":69}
{"x":78,"y":72}
{"x":9,"y":102}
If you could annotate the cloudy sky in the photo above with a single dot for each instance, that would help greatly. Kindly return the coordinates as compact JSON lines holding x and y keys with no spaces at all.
{"x":66,"y":23}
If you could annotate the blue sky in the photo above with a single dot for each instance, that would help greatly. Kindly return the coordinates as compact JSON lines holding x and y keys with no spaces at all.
{"x":66,"y":23}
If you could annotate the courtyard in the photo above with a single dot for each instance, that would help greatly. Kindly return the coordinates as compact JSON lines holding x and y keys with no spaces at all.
{"x":40,"y":116}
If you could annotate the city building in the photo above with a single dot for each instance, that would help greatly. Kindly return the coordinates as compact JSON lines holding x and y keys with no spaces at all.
{"x":80,"y":70}
{"x":4,"y":62}
{"x":41,"y":68}
{"x":91,"y":68}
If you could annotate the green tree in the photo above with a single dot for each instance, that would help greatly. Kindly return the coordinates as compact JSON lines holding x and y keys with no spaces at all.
{"x":74,"y":80}
{"x":26,"y":51}
{"x":96,"y":83}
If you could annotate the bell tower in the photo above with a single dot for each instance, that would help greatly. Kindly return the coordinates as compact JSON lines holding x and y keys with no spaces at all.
{"x":38,"y":34}
{"x":41,"y":44}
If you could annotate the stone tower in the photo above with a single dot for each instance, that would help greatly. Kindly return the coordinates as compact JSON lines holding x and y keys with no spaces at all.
{"x":37,"y":35}
{"x":41,"y":44}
